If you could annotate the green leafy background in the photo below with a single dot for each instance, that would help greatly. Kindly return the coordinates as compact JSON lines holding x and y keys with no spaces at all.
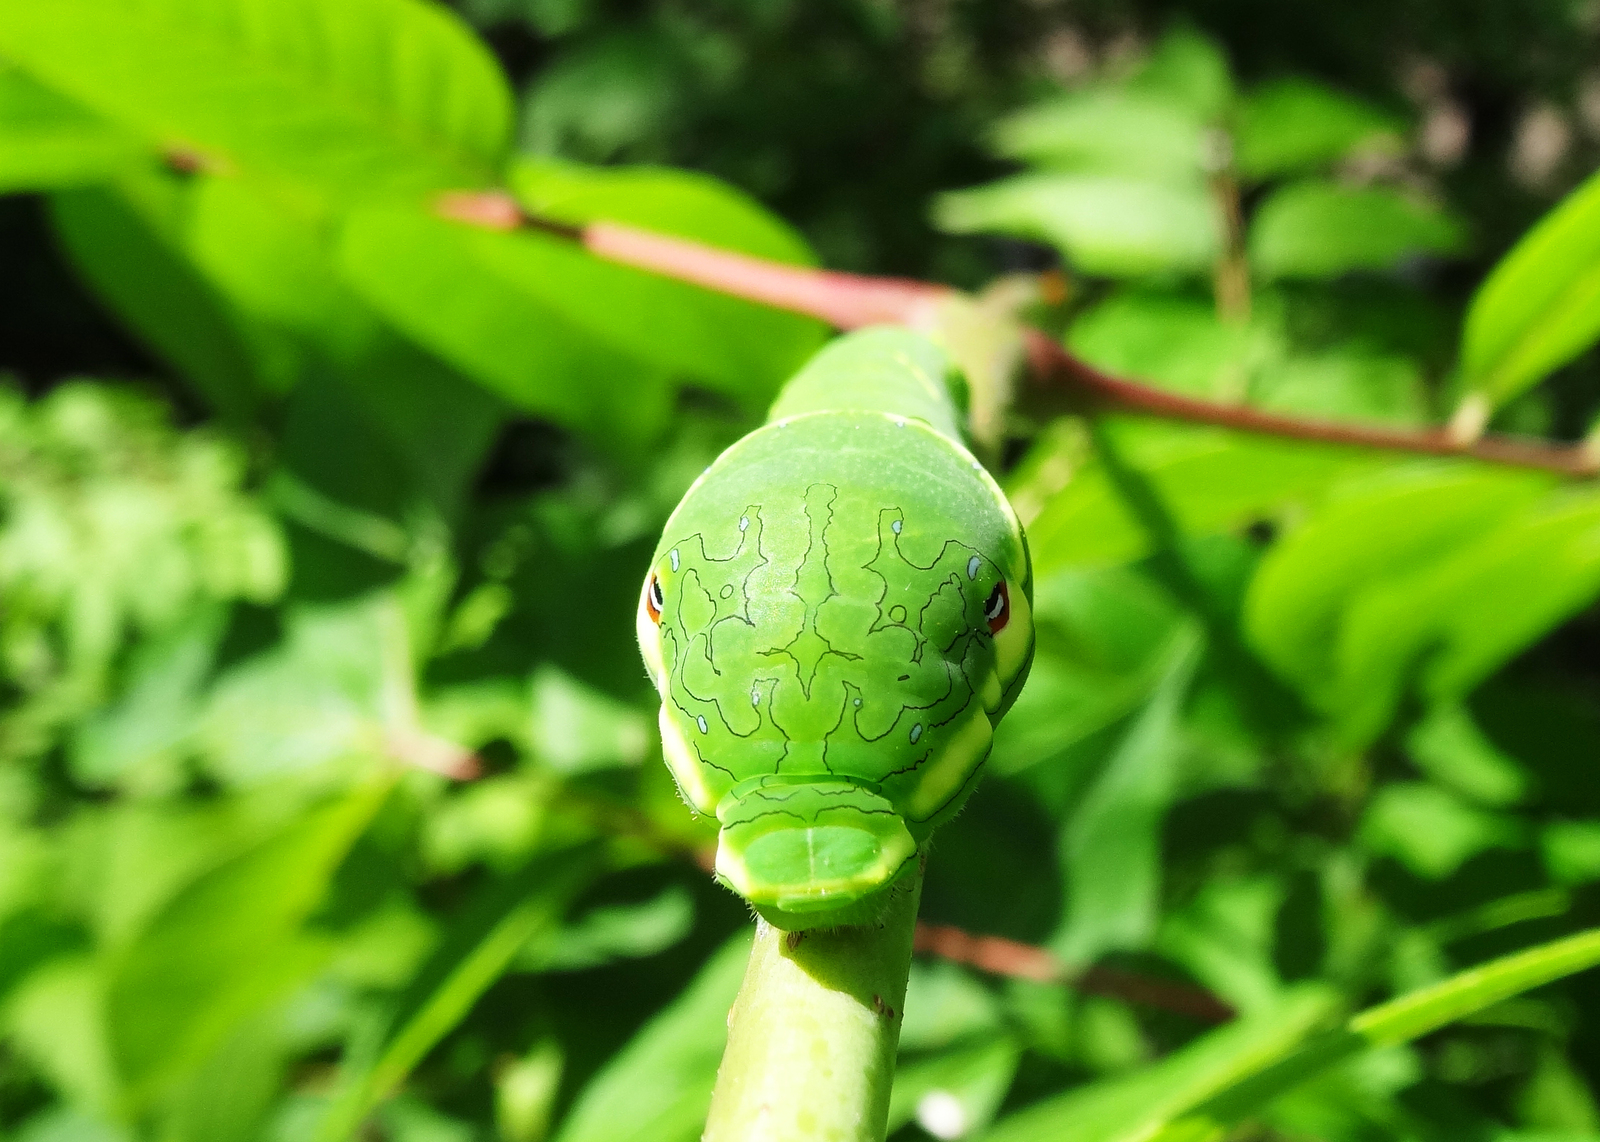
{"x":330,"y":802}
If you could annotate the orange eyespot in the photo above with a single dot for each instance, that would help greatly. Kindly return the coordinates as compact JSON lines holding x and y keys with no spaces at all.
{"x":653,"y":599}
{"x":998,"y":608}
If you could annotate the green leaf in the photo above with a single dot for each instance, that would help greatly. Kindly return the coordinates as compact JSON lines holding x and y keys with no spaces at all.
{"x":1572,"y":851}
{"x":1373,"y":532}
{"x":1111,"y":844}
{"x":615,"y":90}
{"x":1188,"y":69}
{"x":1224,"y":936}
{"x":1411,"y":1016}
{"x":1210,"y":480}
{"x":477,"y":951}
{"x":1136,"y":1107}
{"x":70,"y":1124}
{"x":1230,"y":1074}
{"x":956,"y":1092}
{"x":133,"y":266}
{"x":332,"y":690}
{"x":1178,"y":342}
{"x":1431,"y":831}
{"x":560,"y":332}
{"x":1107,"y":132}
{"x":577,"y":728}
{"x":1449,"y":747}
{"x":275,"y":262}
{"x":1104,"y":637}
{"x":684,"y":203}
{"x":1116,"y":226}
{"x":477,"y":300}
{"x":354,"y":99}
{"x":658,"y":1087}
{"x":1471,"y":610}
{"x":149,"y":723}
{"x":1540,"y":305}
{"x":1320,"y":229}
{"x":56,"y":1020}
{"x":616,"y":932}
{"x":48,"y":142}
{"x":230,"y":1093}
{"x":226,"y":946}
{"x":1295,"y":125}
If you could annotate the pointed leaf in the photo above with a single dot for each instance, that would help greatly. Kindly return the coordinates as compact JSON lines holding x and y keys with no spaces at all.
{"x":1320,"y":229}
{"x":354,"y":99}
{"x":1540,"y":306}
{"x":47,"y":142}
{"x":1104,"y":224}
{"x":1295,"y":125}
{"x":226,"y":946}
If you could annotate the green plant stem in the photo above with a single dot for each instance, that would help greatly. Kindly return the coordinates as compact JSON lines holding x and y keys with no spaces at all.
{"x":812,"y":1036}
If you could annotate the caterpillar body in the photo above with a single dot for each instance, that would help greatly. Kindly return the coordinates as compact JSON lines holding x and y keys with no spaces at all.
{"x":838,"y":614}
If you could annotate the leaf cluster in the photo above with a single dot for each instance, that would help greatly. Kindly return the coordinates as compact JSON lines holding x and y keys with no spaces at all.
{"x":330,"y":801}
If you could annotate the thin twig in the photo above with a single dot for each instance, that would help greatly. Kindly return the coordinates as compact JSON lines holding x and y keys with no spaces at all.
{"x":849,"y":301}
{"x":1057,"y":371}
{"x":1000,"y":956}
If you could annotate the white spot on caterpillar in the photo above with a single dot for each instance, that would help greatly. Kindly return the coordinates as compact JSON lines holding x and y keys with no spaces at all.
{"x":916,"y":732}
{"x":976,"y":466}
{"x":755,"y":696}
{"x":858,"y":701}
{"x":673,"y":555}
{"x":701,"y":722}
{"x":898,"y":423}
{"x":972,"y":567}
{"x":744,"y":522}
{"x":895,"y":527}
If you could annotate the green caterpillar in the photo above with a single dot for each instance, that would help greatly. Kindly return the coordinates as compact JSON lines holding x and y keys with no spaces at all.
{"x":838,"y":614}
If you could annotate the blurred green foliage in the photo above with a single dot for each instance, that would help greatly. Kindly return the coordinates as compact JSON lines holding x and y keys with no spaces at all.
{"x":330,"y":802}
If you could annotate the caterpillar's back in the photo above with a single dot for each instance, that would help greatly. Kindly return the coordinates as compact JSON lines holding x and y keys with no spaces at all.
{"x":837,"y":615}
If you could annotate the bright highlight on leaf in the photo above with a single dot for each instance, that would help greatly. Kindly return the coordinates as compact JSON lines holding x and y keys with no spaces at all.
{"x":1540,"y":307}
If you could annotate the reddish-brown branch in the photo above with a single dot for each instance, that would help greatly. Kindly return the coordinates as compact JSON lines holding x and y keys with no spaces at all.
{"x":849,"y":301}
{"x":1000,"y":956}
{"x":846,"y":301}
{"x":1061,"y":374}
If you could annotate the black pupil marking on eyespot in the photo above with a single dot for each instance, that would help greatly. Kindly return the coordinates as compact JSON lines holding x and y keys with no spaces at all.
{"x":656,"y":598}
{"x":996,"y":608}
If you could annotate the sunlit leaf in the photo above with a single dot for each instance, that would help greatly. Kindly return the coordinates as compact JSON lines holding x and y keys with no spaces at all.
{"x":662,"y":199}
{"x":355,"y":99}
{"x":1294,"y":125}
{"x":1211,"y":481}
{"x":148,"y":282}
{"x":48,"y":142}
{"x":1104,"y":224}
{"x":1540,"y":306}
{"x":1188,"y":69}
{"x":1431,"y":831}
{"x":1321,"y":229}
{"x":1389,"y":525}
{"x":1107,"y":132}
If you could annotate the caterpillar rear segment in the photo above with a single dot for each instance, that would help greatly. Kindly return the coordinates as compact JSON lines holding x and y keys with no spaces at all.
{"x":837,"y":615}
